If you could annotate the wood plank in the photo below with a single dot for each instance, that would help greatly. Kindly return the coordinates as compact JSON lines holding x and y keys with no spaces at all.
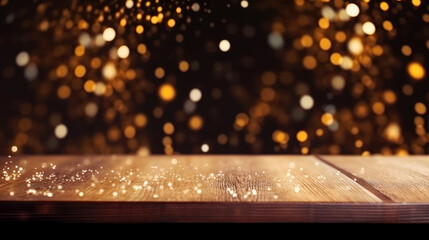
{"x":138,"y":212}
{"x":403,"y":179}
{"x":181,"y":179}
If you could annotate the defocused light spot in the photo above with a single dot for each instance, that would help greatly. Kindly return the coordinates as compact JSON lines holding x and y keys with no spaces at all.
{"x":241,"y":120}
{"x":224,"y":45}
{"x":61,"y":131}
{"x":355,"y":46}
{"x":109,"y":34}
{"x":195,"y":95}
{"x":327,"y":119}
{"x":275,"y":40}
{"x":420,"y":108}
{"x":306,"y":102}
{"x":168,"y":128}
{"x":91,"y":109}
{"x":22,"y":59}
{"x":244,"y":4}
{"x":14,"y":149}
{"x":195,"y":7}
{"x":416,"y":70}
{"x":159,"y":72}
{"x":302,"y":136}
{"x":205,"y":148}
{"x":368,"y":28}
{"x":338,"y":82}
{"x":183,"y":66}
{"x":280,"y":137}
{"x":64,"y":92}
{"x":140,"y":120}
{"x":195,"y":122}
{"x":352,"y":10}
{"x":171,"y":23}
{"x":109,"y":71}
{"x":80,"y":71}
{"x":123,"y":51}
{"x":167,"y":92}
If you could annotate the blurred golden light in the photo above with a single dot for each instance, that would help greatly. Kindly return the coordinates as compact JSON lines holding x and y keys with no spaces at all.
{"x":302,"y":136}
{"x":168,"y":128}
{"x":140,"y":120}
{"x":416,"y":70}
{"x":327,"y":119}
{"x":167,"y":92}
{"x":195,"y":122}
{"x":109,"y":34}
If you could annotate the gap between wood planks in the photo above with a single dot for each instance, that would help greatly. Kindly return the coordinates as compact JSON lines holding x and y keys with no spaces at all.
{"x":358,"y":180}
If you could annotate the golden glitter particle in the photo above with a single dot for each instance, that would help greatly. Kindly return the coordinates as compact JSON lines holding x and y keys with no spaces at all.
{"x":139,"y":29}
{"x":79,"y":51}
{"x":325,"y":44}
{"x":195,"y":122}
{"x":109,"y":34}
{"x":384,"y":6}
{"x":304,"y":150}
{"x":327,"y":119}
{"x":80,"y":71}
{"x":109,"y":71}
{"x":420,"y":108}
{"x":387,"y":25}
{"x":393,"y":132}
{"x":309,"y":62}
{"x":306,"y":41}
{"x":141,"y":48}
{"x":89,"y":86}
{"x":140,"y":120}
{"x":159,"y":72}
{"x":416,"y":2}
{"x":224,"y":45}
{"x":167,"y":92}
{"x":14,"y":149}
{"x":205,"y":148}
{"x":378,"y":108}
{"x":416,"y":70}
{"x":280,"y":137}
{"x":61,"y":131}
{"x":171,"y":23}
{"x":352,"y":10}
{"x":306,"y":102}
{"x":355,"y":46}
{"x":406,"y":50}
{"x":183,"y":66}
{"x":302,"y":136}
{"x":64,"y":92}
{"x":195,"y":95}
{"x":22,"y":59}
{"x":340,"y":36}
{"x":129,"y":132}
{"x":241,"y":120}
{"x":168,"y":128}
{"x":323,"y":23}
{"x":389,"y":97}
{"x":336,"y":59}
{"x":268,"y":94}
{"x":222,"y":139}
{"x":61,"y":71}
{"x":368,"y":28}
{"x":123,"y":52}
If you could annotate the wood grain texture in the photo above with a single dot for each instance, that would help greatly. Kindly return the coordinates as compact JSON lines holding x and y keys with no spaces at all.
{"x":207,"y":188}
{"x":181,"y":178}
{"x":403,"y":179}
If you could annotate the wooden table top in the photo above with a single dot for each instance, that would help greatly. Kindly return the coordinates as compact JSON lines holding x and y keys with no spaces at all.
{"x":215,"y":188}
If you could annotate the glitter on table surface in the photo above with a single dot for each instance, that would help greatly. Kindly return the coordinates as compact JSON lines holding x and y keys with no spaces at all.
{"x":212,"y":188}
